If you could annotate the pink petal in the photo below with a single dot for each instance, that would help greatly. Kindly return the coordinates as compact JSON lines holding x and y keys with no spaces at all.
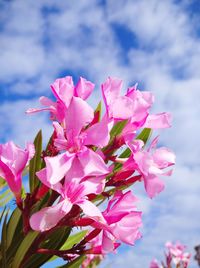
{"x":13,"y":182}
{"x":48,"y":217}
{"x":46,"y":101}
{"x":30,"y":149}
{"x":127,"y":229}
{"x":63,"y":89}
{"x":111,"y":90}
{"x":91,"y":211}
{"x":122,"y":108}
{"x":76,"y":171}
{"x":98,"y":134}
{"x":42,"y":175}
{"x":108,"y":244}
{"x":155,"y":121}
{"x":60,"y":141}
{"x":58,"y":166}
{"x":93,"y":185}
{"x":153,"y":185}
{"x":37,"y":110}
{"x":92,"y":163}
{"x":78,"y":115}
{"x":164,"y":157}
{"x":84,"y":88}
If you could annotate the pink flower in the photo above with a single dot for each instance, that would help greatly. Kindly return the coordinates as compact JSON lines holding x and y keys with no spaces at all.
{"x":12,"y":163}
{"x":150,"y":164}
{"x":154,"y":264}
{"x":73,"y":192}
{"x":134,"y":106}
{"x":64,"y":89}
{"x":94,"y":244}
{"x":74,"y":140}
{"x":177,"y":254}
{"x":123,"y":222}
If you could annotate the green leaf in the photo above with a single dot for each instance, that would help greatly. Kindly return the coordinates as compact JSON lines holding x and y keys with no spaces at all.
{"x":74,"y":264}
{"x":4,"y":241}
{"x":35,"y":163}
{"x":98,"y":111}
{"x":12,"y":225}
{"x":23,"y":248}
{"x":117,"y":128}
{"x":2,"y":214}
{"x":5,"y":197}
{"x":2,"y":183}
{"x":145,"y":135}
{"x":5,"y":193}
{"x":53,"y":241}
{"x":72,"y":240}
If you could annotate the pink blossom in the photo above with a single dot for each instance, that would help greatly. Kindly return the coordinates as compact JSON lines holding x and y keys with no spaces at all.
{"x":94,"y":244}
{"x":176,"y":252}
{"x":150,"y":164}
{"x":64,"y":89}
{"x":74,"y":140}
{"x":12,"y":163}
{"x":154,"y":264}
{"x":123,"y":222}
{"x":134,"y":106}
{"x":74,"y":191}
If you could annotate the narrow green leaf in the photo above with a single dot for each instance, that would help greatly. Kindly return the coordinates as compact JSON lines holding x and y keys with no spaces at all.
{"x":74,"y":264}
{"x":35,"y":163}
{"x":4,"y":241}
{"x":6,"y":200}
{"x":23,"y":248}
{"x":12,"y":225}
{"x":2,"y":214}
{"x":117,"y":128}
{"x":54,"y":241}
{"x":145,"y":135}
{"x":72,"y":240}
{"x":5,"y":193}
{"x":3,"y":183}
{"x":98,"y":110}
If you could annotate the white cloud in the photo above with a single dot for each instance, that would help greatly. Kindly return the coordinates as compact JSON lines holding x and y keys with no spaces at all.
{"x":19,"y":127}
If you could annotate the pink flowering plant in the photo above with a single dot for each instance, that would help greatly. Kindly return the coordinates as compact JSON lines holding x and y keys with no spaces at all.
{"x":90,"y":159}
{"x":175,"y":256}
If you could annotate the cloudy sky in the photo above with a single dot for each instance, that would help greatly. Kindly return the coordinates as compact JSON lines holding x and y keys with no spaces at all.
{"x":152,"y":42}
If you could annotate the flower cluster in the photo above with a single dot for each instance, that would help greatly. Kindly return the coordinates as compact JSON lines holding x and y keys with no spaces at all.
{"x":175,"y":254}
{"x":83,"y":164}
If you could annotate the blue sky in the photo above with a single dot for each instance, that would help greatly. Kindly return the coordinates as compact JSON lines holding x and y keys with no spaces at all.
{"x":153,"y":42}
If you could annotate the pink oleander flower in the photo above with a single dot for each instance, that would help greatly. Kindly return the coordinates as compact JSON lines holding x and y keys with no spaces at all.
{"x":154,"y":264}
{"x":123,"y":222}
{"x":134,"y":106}
{"x":94,"y":244}
{"x":64,"y":89}
{"x":74,"y":141}
{"x":150,"y":164}
{"x":13,"y":160}
{"x":177,"y":254}
{"x":74,"y":191}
